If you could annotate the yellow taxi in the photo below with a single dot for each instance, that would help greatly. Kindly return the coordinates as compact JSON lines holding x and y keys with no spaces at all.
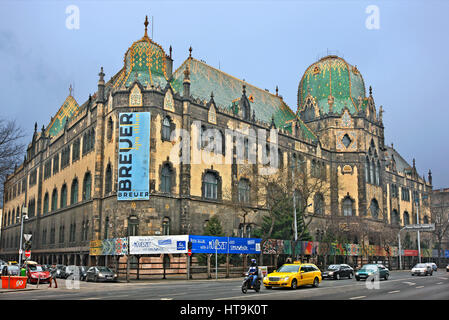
{"x":293,"y":275}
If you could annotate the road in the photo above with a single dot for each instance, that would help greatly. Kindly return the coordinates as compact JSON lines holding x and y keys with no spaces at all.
{"x":401,"y":285}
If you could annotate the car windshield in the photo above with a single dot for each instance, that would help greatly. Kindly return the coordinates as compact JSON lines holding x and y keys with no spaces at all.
{"x":334,"y":267}
{"x":35,"y":268}
{"x":369,"y":268}
{"x":13,"y":268}
{"x":288,"y":268}
{"x":104,"y":269}
{"x":421,"y":265}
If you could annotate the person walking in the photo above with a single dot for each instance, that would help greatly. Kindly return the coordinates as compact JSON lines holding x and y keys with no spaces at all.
{"x":53,"y":276}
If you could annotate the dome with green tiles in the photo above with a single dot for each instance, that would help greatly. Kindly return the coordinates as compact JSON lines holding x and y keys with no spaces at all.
{"x":333,"y":84}
{"x":145,"y":61}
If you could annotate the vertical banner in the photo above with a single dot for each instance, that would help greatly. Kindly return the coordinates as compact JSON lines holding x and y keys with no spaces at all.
{"x":134,"y":156}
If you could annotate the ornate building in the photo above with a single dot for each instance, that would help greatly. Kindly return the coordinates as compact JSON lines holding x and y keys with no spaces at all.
{"x":68,"y":180}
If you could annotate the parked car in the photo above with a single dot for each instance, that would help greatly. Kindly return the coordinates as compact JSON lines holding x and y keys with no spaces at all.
{"x":338,"y":271}
{"x":83,"y":273}
{"x":433,"y":265}
{"x":36,"y":272}
{"x":447,"y":268}
{"x":293,"y":275}
{"x":10,"y":270}
{"x":372,"y":270}
{"x":100,"y":273}
{"x":60,"y":270}
{"x":422,"y":269}
{"x":70,"y":270}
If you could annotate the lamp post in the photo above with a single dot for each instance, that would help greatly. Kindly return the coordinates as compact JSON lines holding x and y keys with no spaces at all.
{"x":400,"y":250}
{"x":22,"y":216}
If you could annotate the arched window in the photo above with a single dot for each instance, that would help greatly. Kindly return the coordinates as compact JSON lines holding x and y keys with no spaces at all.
{"x":166,"y":226}
{"x":406,"y":218}
{"x":133,"y":226}
{"x":426,"y":219}
{"x":243,"y":191}
{"x":166,"y":178}
{"x":347,"y":207}
{"x":106,"y":228}
{"x":210,"y":186}
{"x":110,"y":128}
{"x":313,"y":169}
{"x":166,"y":129}
{"x":74,"y":192}
{"x":374,"y":209}
{"x":367,"y":170}
{"x":318,"y":204}
{"x":54,"y":200}
{"x":378,"y":173}
{"x":63,"y":196}
{"x":108,"y":179}
{"x":87,"y":186}
{"x":394,"y":217}
{"x":46,"y":203}
{"x":371,"y":173}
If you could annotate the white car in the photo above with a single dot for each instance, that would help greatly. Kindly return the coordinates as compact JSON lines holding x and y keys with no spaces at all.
{"x":422,"y":269}
{"x":433,"y":266}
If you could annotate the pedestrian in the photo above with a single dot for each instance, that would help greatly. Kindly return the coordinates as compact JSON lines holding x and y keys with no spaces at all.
{"x":5,"y":271}
{"x":23,"y":271}
{"x":53,"y":276}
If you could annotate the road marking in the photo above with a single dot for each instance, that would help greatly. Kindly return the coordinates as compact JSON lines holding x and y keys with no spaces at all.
{"x":360,"y":297}
{"x":419,"y":287}
{"x":443,"y":278}
{"x":166,"y":298}
{"x":396,"y":291}
{"x":409,"y":283}
{"x":440,"y":283}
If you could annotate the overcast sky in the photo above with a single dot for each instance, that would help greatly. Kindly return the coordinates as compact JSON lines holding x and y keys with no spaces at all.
{"x":400,"y":47}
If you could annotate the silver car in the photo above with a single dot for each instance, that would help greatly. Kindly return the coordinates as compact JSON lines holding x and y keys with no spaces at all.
{"x":422,"y":269}
{"x":99,"y":273}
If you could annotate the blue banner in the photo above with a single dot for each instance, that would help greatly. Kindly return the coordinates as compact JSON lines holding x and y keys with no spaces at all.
{"x":134,"y":156}
{"x":206,"y":244}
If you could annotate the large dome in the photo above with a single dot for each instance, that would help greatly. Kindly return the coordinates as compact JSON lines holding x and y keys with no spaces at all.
{"x":333,"y":84}
{"x":145,"y":61}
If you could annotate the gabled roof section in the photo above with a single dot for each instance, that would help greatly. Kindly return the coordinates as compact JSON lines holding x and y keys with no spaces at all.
{"x":401,"y":164}
{"x":68,"y":109}
{"x":227,"y":92}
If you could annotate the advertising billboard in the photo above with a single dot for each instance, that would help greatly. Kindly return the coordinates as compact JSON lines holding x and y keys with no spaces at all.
{"x":158,"y":244}
{"x":224,"y":245}
{"x":133,"y":156}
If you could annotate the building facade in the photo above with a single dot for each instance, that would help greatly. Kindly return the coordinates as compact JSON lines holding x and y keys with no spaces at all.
{"x":68,"y":180}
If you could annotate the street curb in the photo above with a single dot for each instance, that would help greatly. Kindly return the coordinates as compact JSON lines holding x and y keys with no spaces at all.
{"x":17,"y":290}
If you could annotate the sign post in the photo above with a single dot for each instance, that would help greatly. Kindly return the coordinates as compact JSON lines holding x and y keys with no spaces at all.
{"x":216,"y":258}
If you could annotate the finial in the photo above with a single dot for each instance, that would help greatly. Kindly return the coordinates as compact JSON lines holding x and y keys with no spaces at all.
{"x":212,"y":95}
{"x":190,"y":52}
{"x":101,"y":74}
{"x":413,"y":162}
{"x":35,"y":127}
{"x":170,"y":51}
{"x":186,"y":72}
{"x":70,"y":90}
{"x":370,"y":90}
{"x":277,"y":91}
{"x":146,"y":23}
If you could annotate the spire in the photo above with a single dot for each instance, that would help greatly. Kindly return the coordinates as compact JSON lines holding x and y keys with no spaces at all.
{"x":430,"y":177}
{"x":277,"y":91}
{"x":70,"y":90}
{"x":170,"y":49}
{"x":370,"y":91}
{"x":100,"y":96}
{"x":146,"y":23}
{"x":244,"y":89}
{"x":190,"y":52}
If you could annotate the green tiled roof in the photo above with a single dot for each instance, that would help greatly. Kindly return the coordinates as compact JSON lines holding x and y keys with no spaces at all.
{"x":227,"y":91}
{"x":68,"y":109}
{"x":332,"y":76}
{"x":145,"y":62}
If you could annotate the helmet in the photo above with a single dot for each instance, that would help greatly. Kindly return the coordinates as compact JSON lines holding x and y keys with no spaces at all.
{"x":253,"y":261}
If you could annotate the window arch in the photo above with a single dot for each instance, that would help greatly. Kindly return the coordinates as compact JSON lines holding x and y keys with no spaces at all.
{"x":318,"y":204}
{"x":348,"y":207}
{"x":371,"y":172}
{"x":406,"y":218}
{"x":166,"y":129}
{"x":166,"y":226}
{"x":110,"y":128}
{"x":108,"y":179}
{"x":367,"y":170}
{"x":166,"y":178}
{"x":74,"y":192}
{"x":378,"y":173}
{"x":374,"y":209}
{"x":63,"y":203}
{"x":133,"y":226}
{"x":426,"y":219}
{"x":394,"y":217}
{"x":54,"y":200}
{"x":243,"y":190}
{"x":210,"y":185}
{"x":87,"y":186}
{"x":46,"y":203}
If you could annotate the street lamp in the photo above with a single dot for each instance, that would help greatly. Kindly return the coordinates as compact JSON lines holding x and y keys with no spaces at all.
{"x":23,"y":216}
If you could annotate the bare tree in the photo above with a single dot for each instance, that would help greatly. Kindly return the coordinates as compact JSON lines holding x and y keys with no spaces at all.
{"x":440,"y":217}
{"x":11,"y":149}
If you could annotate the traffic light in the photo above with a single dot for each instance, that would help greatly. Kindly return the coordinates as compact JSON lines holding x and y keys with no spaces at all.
{"x":27,"y":245}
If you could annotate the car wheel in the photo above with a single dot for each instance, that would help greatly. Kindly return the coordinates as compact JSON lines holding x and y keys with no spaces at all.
{"x":357,"y":278}
{"x":294,"y":284}
{"x":350,"y":275}
{"x":316,"y":282}
{"x":337,"y":276}
{"x":386,"y":276}
{"x":96,"y":279}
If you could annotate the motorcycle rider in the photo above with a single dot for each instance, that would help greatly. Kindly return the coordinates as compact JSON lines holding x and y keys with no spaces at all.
{"x":253,"y":271}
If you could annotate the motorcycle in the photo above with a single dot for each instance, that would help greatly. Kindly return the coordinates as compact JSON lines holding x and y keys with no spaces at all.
{"x":247,"y":284}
